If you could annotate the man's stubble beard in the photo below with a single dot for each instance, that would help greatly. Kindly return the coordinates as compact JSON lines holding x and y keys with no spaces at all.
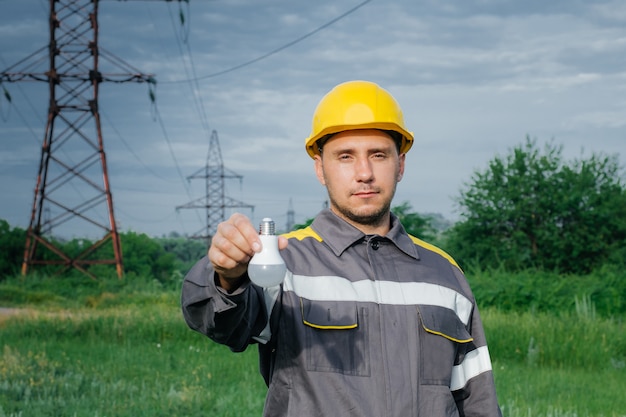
{"x":375,"y":218}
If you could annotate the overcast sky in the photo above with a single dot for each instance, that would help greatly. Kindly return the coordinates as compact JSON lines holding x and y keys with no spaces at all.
{"x":473,"y":77}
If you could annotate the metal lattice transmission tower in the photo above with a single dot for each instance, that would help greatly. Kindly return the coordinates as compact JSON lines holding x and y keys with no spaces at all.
{"x":215,"y":201}
{"x":291,"y":217}
{"x":72,"y":188}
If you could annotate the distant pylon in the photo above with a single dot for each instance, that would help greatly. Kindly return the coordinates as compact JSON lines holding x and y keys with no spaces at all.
{"x":215,"y":201}
{"x":290,"y":217}
{"x":72,"y":181}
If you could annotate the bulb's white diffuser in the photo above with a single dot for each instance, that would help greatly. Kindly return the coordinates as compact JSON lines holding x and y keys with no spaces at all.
{"x":267,"y":268}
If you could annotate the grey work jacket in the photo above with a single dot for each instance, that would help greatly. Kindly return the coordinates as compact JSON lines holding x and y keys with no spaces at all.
{"x":361,"y":326}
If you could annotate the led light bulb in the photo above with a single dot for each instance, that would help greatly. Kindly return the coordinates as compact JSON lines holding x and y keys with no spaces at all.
{"x":267,"y":268}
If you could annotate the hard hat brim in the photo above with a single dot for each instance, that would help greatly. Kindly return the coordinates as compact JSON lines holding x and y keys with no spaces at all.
{"x":407,"y":137}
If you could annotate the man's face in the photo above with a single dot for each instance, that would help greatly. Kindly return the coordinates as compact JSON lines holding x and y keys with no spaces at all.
{"x":360,"y":169}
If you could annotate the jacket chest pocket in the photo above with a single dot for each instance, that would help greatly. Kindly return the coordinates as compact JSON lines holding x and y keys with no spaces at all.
{"x":443,"y":339}
{"x":336,"y":337}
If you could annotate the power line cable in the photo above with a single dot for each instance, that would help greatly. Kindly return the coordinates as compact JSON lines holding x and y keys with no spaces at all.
{"x":132,"y":152}
{"x":190,"y":68}
{"x":193,"y":84}
{"x":171,"y":150}
{"x":35,"y":112}
{"x":28,"y":101}
{"x":143,"y":218}
{"x":277,"y":50}
{"x":159,"y":35}
{"x":25,"y":121}
{"x":190,"y":72}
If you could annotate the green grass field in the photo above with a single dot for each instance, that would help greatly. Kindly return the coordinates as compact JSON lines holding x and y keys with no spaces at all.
{"x":130,"y":354}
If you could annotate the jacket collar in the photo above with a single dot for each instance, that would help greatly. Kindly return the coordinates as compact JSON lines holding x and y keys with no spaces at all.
{"x":339,"y":235}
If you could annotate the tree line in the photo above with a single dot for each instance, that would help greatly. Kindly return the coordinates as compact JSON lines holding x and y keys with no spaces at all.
{"x":527,"y":209}
{"x":162,"y":258}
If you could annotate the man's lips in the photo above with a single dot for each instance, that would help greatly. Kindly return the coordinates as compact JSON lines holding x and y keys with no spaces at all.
{"x":365,"y":193}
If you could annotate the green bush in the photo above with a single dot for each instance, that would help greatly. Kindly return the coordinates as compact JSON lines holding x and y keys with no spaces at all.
{"x":12,"y":253}
{"x":542,"y":291}
{"x":533,"y":208}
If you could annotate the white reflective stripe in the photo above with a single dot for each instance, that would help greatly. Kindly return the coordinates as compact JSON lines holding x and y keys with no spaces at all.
{"x":271,"y":295}
{"x":475,"y":363}
{"x":333,"y":288}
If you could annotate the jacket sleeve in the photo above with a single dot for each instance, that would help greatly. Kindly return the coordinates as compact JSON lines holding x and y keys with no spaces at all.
{"x":472,"y":384}
{"x":228,"y":319}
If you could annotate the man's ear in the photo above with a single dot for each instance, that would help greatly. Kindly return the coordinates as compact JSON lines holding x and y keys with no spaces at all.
{"x":319,"y":169}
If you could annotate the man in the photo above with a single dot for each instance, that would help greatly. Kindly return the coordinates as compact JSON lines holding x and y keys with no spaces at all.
{"x":368,"y":321}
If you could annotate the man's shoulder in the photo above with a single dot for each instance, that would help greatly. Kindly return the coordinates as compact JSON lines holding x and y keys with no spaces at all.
{"x":434,"y":249}
{"x":302,"y":234}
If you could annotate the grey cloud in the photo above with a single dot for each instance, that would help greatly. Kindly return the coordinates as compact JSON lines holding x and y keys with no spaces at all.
{"x":473,"y":77}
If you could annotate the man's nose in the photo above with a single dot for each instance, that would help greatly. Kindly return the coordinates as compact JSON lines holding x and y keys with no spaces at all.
{"x":364,"y":170}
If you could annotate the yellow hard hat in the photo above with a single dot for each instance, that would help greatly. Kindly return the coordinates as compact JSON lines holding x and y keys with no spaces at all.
{"x":357,"y":105}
